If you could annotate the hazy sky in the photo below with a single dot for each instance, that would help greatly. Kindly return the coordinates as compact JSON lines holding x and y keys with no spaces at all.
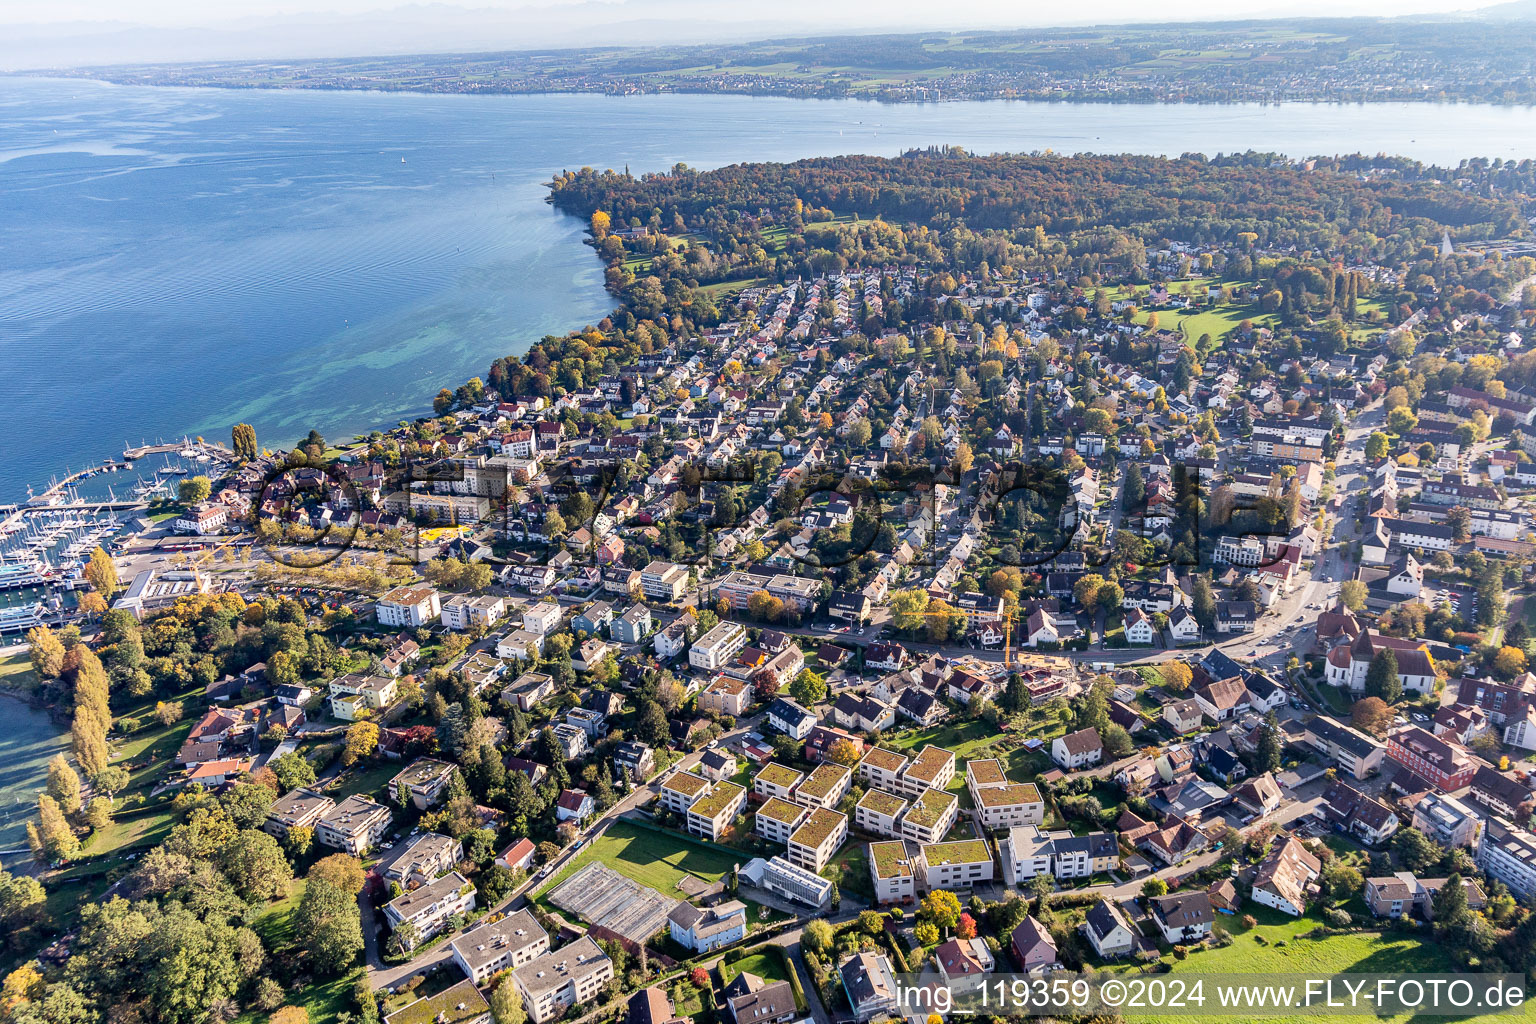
{"x":81,"y":33}
{"x":874,"y":13}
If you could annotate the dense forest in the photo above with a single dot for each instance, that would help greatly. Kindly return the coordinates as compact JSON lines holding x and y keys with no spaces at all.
{"x":1190,"y":199}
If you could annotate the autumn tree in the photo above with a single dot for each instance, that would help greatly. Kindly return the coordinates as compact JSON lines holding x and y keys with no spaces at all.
{"x":1176,"y":675}
{"x":329,"y":927}
{"x":58,"y":838}
{"x":362,"y":741}
{"x":764,"y":607}
{"x":507,"y":1003}
{"x":1371,"y":715}
{"x":101,"y":573}
{"x":1086,"y":591}
{"x":194,"y":490}
{"x":1508,"y":662}
{"x":843,"y":752}
{"x":600,"y":222}
{"x":46,"y":652}
{"x":1352,"y":595}
{"x":1268,"y":753}
{"x":63,"y":784}
{"x":808,"y":688}
{"x":940,"y":908}
{"x":92,"y":715}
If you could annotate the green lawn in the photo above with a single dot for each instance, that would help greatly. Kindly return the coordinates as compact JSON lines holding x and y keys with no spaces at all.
{"x":365,"y":780}
{"x":16,"y":673}
{"x":721,"y":288}
{"x":849,"y":868}
{"x":968,"y":740}
{"x":650,"y":858}
{"x":767,"y":966}
{"x":1356,"y":952}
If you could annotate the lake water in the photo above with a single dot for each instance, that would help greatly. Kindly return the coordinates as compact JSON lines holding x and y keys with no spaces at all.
{"x":173,"y":261}
{"x":28,"y":738}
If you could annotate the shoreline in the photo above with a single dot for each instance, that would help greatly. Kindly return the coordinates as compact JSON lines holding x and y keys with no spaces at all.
{"x":1051,"y":99}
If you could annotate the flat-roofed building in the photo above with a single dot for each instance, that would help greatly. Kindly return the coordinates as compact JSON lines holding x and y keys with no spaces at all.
{"x":1017,"y":803}
{"x":559,"y":979}
{"x":958,"y":865}
{"x":495,"y":946}
{"x":879,"y":813}
{"x":428,"y":909}
{"x":793,"y":882}
{"x":458,"y":1004}
{"x":711,"y":814}
{"x":707,"y":929}
{"x":663,"y":581}
{"x":818,"y":838}
{"x":1447,"y":820}
{"x":776,"y":780}
{"x":1030,"y":850}
{"x":462,"y":611}
{"x":425,"y":782}
{"x":726,"y":696}
{"x":528,"y":689}
{"x":984,"y":773}
{"x":930,"y":816}
{"x":353,"y":826}
{"x":891,"y":870}
{"x":298,"y":809}
{"x":881,"y":767}
{"x":933,"y":768}
{"x":825,"y":786}
{"x":1508,"y":853}
{"x":424,"y":858}
{"x":680,"y":791}
{"x":355,"y":695}
{"x":409,"y":607}
{"x":715,"y":649}
{"x":776,"y":820}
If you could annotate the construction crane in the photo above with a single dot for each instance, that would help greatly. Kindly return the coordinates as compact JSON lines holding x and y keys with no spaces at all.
{"x":1008,"y":618}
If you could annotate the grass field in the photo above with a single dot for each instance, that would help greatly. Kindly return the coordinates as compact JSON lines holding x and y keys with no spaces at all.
{"x":16,"y":673}
{"x":767,"y":966}
{"x":364,"y":780}
{"x":650,"y":858}
{"x":1286,"y":950}
{"x":967,"y":740}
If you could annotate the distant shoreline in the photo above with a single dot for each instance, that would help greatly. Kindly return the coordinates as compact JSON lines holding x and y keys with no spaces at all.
{"x":99,"y":76}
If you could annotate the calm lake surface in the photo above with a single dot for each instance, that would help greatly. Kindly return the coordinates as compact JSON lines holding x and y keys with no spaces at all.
{"x":173,"y":261}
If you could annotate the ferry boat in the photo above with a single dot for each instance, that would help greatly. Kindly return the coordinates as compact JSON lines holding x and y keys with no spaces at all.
{"x":21,"y":575}
{"x":21,"y":618}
